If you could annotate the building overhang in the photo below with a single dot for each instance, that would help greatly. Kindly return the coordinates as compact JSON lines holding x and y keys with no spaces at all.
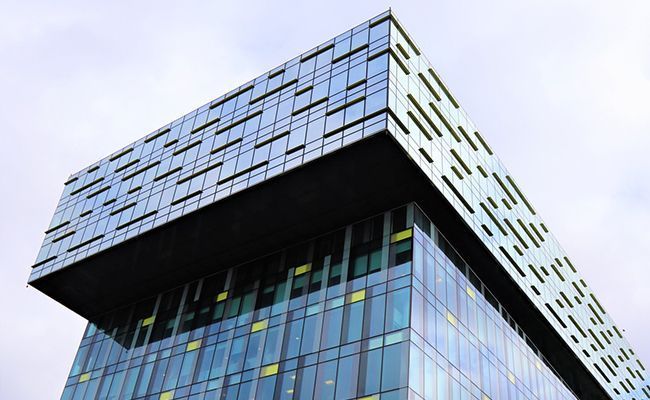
{"x":352,"y":183}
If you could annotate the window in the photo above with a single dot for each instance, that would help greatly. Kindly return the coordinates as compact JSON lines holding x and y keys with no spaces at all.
{"x":394,"y":373}
{"x":397,"y":310}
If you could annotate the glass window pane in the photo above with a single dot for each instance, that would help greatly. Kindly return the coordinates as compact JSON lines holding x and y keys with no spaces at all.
{"x":369,"y":372}
{"x":325,"y":381}
{"x":346,"y":381}
{"x":397,"y":309}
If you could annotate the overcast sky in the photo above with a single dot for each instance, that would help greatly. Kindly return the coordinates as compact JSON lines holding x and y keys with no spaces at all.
{"x":560,"y":88}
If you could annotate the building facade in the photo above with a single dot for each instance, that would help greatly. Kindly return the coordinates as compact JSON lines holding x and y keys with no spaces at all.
{"x":336,"y":228}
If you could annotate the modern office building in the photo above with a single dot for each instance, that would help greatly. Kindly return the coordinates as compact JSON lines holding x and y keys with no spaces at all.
{"x":336,"y":228}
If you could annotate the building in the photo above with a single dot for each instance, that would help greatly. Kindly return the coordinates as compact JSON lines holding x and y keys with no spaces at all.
{"x":335,"y":228}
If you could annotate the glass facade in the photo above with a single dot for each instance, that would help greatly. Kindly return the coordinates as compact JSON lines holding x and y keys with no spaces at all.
{"x":305,"y":324}
{"x":312,"y":105}
{"x":375,"y":310}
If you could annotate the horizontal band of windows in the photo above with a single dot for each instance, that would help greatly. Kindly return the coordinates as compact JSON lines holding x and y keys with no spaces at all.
{"x":406,"y":37}
{"x":521,"y":195}
{"x":421,"y":127}
{"x":356,"y":84}
{"x":402,"y":50}
{"x":225,"y":146}
{"x":457,"y":172}
{"x":274,"y":91}
{"x":494,"y":219}
{"x":557,"y":317}
{"x":273,"y":74}
{"x":377,"y":55}
{"x":483,"y":143}
{"x":349,"y":53}
{"x":345,"y":105}
{"x":238,"y":122}
{"x":442,"y":86}
{"x":186,"y":148}
{"x":206,"y":125}
{"x":379,"y":21}
{"x":86,"y":186}
{"x":47,"y":260}
{"x":120,"y":154}
{"x":516,"y":233}
{"x":141,"y":170}
{"x":71,"y":180}
{"x":536,"y":273}
{"x":444,"y":121}
{"x":295,"y":149}
{"x":398,"y":121}
{"x":168,"y":173}
{"x":199,"y":172}
{"x":127,"y":165}
{"x":307,"y":57}
{"x":231,"y":96}
{"x":424,"y":115}
{"x":56,"y":227}
{"x":512,"y":261}
{"x":303,"y":90}
{"x":399,"y":62}
{"x":504,"y":187}
{"x":189,"y":196}
{"x":428,"y":85}
{"x":63,"y":236}
{"x":271,"y":139}
{"x":527,"y":232}
{"x":98,"y":191}
{"x":458,"y":194}
{"x":82,"y":244}
{"x":310,"y":105}
{"x":425,"y":155}
{"x":468,"y":138}
{"x":170,"y":143}
{"x":461,"y":161}
{"x":157,"y":135}
{"x":123,"y":208}
{"x":243,"y":172}
{"x":136,"y":220}
{"x":352,"y":123}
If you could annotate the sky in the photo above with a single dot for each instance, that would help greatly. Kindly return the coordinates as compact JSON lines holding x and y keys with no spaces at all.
{"x":560,"y":89}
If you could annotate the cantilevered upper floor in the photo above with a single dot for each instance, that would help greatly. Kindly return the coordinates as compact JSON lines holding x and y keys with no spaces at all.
{"x":356,"y":125}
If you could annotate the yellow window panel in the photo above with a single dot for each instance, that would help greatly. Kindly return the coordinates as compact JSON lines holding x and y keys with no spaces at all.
{"x":222,"y":296}
{"x":396,"y":237}
{"x":373,"y":397}
{"x":149,"y":321}
{"x":84,"y":377}
{"x":451,"y":318}
{"x":471,"y":293}
{"x":259,"y":325}
{"x":538,"y":365}
{"x":511,"y":377}
{"x":167,"y":395}
{"x":269,"y":370}
{"x":302,"y":269}
{"x":357,"y":296}
{"x":193,"y":345}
